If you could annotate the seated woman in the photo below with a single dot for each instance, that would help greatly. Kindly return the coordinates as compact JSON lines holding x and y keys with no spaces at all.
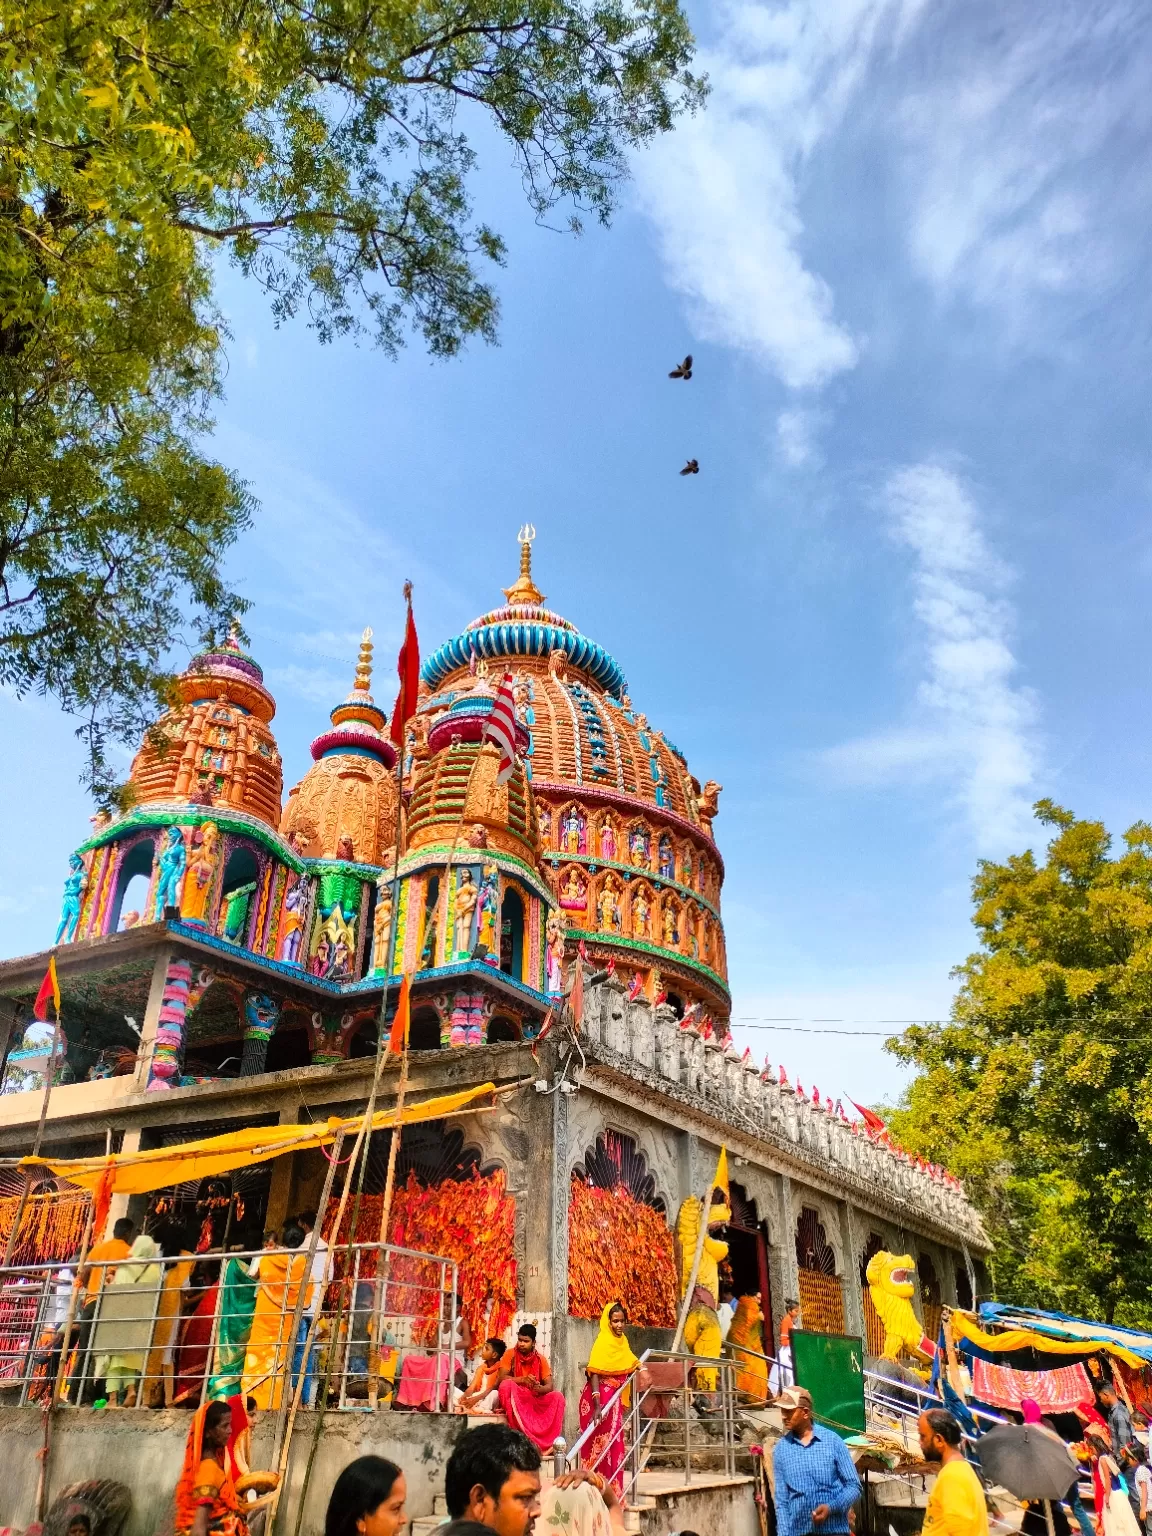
{"x":482,"y":1395}
{"x":207,"y":1503}
{"x":424,"y":1379}
{"x":527,"y":1396}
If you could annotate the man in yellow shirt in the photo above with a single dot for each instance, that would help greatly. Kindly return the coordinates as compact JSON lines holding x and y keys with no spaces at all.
{"x":97,"y":1268}
{"x":956,"y":1505}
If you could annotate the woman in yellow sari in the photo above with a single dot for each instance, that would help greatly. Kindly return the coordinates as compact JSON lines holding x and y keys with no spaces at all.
{"x":610,"y":1363}
{"x":270,"y":1339}
{"x":160,"y":1367}
{"x":747,"y":1330}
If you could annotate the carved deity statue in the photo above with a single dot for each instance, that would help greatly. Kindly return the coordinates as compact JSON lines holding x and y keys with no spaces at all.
{"x":609,"y":908}
{"x":489,"y":905}
{"x":638,"y":847}
{"x":667,"y":859}
{"x":607,"y":839}
{"x":554,"y":953}
{"x":382,"y":925}
{"x":170,"y":876}
{"x":670,"y":935}
{"x":641,"y":912}
{"x":572,"y":832}
{"x":292,"y":922}
{"x":574,"y":892}
{"x":198,"y":877}
{"x":466,"y":897}
{"x":74,"y":887}
{"x":544,"y":826}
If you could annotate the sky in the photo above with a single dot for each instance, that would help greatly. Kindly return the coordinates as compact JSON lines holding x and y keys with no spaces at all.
{"x":907,"y":594}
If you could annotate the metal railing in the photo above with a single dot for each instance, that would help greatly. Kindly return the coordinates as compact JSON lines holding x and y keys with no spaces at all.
{"x":693,"y":1426}
{"x":179,"y":1329}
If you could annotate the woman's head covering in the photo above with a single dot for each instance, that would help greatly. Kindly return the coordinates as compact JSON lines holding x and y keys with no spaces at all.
{"x":193,"y":1456}
{"x":1089,"y":1412}
{"x":239,"y":1425}
{"x":611,"y":1354}
{"x":1030,"y":1408}
{"x":144,"y":1249}
{"x":579,"y":1511}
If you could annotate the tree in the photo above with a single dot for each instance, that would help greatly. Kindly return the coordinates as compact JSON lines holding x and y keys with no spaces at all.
{"x":1037,"y":1092}
{"x":321,"y":144}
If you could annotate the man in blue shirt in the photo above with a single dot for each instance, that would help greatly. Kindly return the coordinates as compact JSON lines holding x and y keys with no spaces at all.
{"x":816,"y":1483}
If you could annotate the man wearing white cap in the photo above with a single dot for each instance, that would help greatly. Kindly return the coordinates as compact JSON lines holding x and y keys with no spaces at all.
{"x":816,"y":1483}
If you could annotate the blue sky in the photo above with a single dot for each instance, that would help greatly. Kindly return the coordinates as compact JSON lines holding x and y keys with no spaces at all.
{"x":908,"y":592}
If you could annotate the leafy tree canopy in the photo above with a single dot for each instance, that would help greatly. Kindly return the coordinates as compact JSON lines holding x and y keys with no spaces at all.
{"x":323,"y":146}
{"x":1037,"y":1093}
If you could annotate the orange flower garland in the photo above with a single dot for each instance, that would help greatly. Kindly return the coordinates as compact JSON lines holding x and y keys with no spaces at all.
{"x":472,"y":1221}
{"x":51,"y":1228}
{"x":619,"y":1249}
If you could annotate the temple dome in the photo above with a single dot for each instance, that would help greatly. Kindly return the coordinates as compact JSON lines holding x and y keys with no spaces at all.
{"x":345,"y":805}
{"x":218,"y":750}
{"x":624,"y":829}
{"x":455,"y":794}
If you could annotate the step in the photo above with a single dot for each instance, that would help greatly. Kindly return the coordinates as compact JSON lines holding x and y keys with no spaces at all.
{"x":424,"y":1525}
{"x":439,"y":1505}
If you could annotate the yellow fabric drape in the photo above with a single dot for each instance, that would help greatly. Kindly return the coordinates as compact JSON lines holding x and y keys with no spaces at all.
{"x":965,"y":1326}
{"x":138,"y":1173}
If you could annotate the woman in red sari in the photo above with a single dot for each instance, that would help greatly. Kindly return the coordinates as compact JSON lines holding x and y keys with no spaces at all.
{"x":527,"y":1396}
{"x":610,"y":1364}
{"x":194,"y":1349}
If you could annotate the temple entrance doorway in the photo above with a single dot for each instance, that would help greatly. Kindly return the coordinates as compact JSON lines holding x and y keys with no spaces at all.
{"x":747,"y":1238}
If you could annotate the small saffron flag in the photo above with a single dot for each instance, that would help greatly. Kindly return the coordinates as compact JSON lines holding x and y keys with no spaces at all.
{"x":500,"y":727}
{"x":408,"y":669}
{"x":398,"y":1034}
{"x":49,"y":988}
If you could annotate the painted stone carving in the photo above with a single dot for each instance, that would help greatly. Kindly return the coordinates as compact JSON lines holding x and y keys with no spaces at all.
{"x":170,"y":874}
{"x":74,"y":887}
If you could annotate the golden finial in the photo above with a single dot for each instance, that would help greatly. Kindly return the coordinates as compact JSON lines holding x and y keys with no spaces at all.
{"x":525,"y":593}
{"x":364,"y":664}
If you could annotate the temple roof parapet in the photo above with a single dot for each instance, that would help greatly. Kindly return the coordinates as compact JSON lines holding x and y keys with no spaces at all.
{"x":652,"y":1045}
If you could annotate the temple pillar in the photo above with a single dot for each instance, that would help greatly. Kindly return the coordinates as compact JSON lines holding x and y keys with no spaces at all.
{"x":261,"y":1016}
{"x":118,"y":1206}
{"x":790,"y":1269}
{"x":850,"y":1285}
{"x":280,"y":1186}
{"x":161,"y":1051}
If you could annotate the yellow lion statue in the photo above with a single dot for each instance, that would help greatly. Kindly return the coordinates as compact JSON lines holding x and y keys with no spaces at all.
{"x":702,"y":1328}
{"x":891,"y":1287}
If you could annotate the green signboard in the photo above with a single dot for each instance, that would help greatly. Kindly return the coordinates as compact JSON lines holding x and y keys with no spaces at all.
{"x":831,"y":1367}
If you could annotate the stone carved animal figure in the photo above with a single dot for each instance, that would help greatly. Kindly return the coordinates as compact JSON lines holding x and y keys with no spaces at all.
{"x":891,"y":1285}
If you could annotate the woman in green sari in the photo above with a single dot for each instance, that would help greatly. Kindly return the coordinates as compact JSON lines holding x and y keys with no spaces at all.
{"x":236,"y":1307}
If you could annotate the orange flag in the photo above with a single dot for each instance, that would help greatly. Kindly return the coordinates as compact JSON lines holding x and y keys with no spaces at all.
{"x":49,"y":988}
{"x":408,"y":668}
{"x":398,"y":1034}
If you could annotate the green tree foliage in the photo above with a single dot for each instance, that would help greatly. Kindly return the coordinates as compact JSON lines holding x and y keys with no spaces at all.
{"x":1038,"y":1092}
{"x":323,"y":146}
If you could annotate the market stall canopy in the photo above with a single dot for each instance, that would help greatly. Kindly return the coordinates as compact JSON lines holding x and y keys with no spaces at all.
{"x":138,"y":1173}
{"x":1049,"y":1333}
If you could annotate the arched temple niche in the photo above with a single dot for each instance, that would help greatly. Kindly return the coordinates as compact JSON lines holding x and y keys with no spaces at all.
{"x":964,"y":1297}
{"x":641,"y":910}
{"x":690,"y":931}
{"x":687,"y":866}
{"x":873,"y":1327}
{"x":746,"y":1267}
{"x":931,"y":1294}
{"x":133,"y":884}
{"x":513,"y":925}
{"x":572,"y":894}
{"x":671,"y":920}
{"x":238,"y":894}
{"x":609,"y":904}
{"x":821,"y":1292}
{"x":606,"y":844}
{"x":640,"y":845}
{"x":620,"y":1246}
{"x":572,"y":829}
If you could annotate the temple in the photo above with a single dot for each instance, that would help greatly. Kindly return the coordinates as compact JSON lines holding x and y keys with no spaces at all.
{"x":227,"y":956}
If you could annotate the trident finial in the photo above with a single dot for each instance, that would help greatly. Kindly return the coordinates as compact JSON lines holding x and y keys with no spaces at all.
{"x":525,"y":593}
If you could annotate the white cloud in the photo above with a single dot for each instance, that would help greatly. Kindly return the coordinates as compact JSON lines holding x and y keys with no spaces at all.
{"x":796,"y":433}
{"x":973,"y":724}
{"x":724,"y":189}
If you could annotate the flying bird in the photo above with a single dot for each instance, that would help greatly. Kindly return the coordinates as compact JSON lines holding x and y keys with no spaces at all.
{"x":682,"y":370}
{"x":691,"y":468}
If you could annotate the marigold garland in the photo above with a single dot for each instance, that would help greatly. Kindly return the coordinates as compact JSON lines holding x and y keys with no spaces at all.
{"x":51,"y":1228}
{"x":619,"y":1249}
{"x":472,"y":1221}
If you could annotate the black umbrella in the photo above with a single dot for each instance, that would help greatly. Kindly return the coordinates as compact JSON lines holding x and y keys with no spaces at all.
{"x":1027,"y":1459}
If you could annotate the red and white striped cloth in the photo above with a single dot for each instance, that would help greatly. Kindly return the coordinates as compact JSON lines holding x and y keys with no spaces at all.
{"x":500,"y":727}
{"x":1057,"y":1391}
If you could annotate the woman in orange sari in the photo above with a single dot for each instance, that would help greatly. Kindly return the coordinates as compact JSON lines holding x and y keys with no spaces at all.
{"x":270,"y":1338}
{"x":206,"y":1500}
{"x":746,"y":1340}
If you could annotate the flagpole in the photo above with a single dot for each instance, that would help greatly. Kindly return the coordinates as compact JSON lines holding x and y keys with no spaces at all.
{"x":10,"y":1246}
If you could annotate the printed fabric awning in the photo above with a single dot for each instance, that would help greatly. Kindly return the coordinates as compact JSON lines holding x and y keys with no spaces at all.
{"x":138,"y":1173}
{"x":1047,"y":1334}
